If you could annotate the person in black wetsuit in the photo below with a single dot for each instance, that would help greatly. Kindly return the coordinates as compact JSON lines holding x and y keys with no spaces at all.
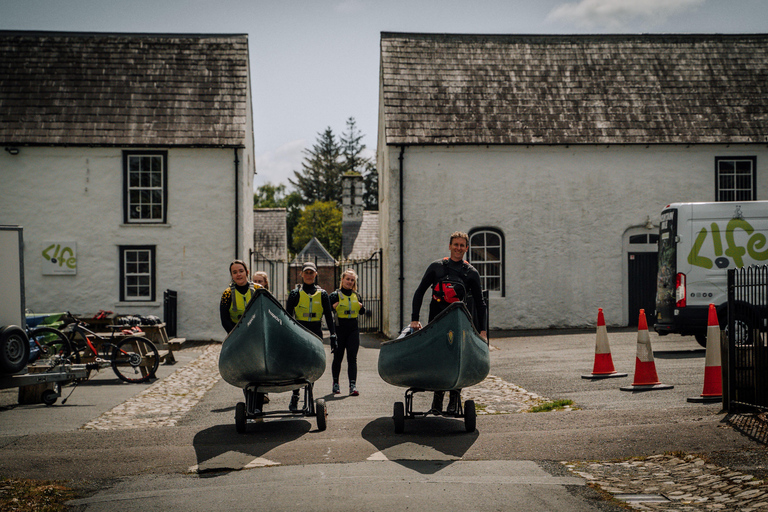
{"x":236,"y":296}
{"x":309,"y":303}
{"x":452,"y":279}
{"x":348,"y":306}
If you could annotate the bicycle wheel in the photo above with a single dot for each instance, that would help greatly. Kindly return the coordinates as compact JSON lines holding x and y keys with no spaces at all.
{"x":53,"y":345}
{"x":135,"y":359}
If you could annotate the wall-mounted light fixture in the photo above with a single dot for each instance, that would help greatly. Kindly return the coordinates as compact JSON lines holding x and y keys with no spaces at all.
{"x":12,"y":151}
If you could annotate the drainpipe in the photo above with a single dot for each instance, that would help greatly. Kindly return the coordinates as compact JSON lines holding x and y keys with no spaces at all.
{"x":237,"y":204}
{"x":401,"y":221}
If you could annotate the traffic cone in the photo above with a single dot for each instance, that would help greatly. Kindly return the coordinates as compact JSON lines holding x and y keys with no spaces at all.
{"x":646,"y":378}
{"x":713,"y":372}
{"x":603,"y":367}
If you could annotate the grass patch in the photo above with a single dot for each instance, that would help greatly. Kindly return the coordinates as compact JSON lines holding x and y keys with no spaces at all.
{"x":554,"y":405}
{"x":22,"y":495}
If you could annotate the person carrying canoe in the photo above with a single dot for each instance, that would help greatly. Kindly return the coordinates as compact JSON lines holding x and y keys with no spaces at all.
{"x":308,"y":303}
{"x":452,"y":279}
{"x":235,"y":298}
{"x":347,"y":304}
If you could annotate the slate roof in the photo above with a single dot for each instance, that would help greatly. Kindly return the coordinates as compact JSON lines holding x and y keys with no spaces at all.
{"x":571,"y":89}
{"x":315,"y":252}
{"x":270,"y":233}
{"x":60,"y":88}
{"x":360,"y":240}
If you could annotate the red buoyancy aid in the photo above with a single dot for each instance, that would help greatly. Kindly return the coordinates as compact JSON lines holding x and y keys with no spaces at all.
{"x":448,"y":288}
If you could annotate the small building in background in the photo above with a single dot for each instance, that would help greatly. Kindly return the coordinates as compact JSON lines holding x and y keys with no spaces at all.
{"x":270,"y":248}
{"x":325,"y":263}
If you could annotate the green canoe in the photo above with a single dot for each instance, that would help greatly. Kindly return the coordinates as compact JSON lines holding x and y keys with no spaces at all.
{"x":448,"y":353}
{"x":270,"y":349}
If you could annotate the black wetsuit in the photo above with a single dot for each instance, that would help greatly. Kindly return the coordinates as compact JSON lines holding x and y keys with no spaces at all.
{"x":453,"y":270}
{"x":348,"y":338}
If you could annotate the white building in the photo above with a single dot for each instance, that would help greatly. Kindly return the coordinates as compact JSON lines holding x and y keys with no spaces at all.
{"x":129,"y":163}
{"x":557,"y":154}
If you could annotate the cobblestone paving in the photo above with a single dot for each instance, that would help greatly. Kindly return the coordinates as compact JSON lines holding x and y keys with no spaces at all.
{"x":166,"y":401}
{"x":497,"y":396}
{"x":687,"y":483}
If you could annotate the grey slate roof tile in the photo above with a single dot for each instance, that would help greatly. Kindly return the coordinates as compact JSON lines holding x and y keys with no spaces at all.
{"x":616,"y":89}
{"x":123,"y":89}
{"x":270,"y":233}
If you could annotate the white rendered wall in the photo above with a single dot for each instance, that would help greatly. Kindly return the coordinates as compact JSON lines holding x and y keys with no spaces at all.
{"x":75,"y":194}
{"x":563,"y":211}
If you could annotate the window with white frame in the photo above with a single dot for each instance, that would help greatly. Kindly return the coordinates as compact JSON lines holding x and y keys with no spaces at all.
{"x":137,"y":273}
{"x":486,"y":254}
{"x":735,"y":178}
{"x":145,"y":191}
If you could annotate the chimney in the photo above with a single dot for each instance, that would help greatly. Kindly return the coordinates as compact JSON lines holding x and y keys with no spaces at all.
{"x":352,"y":198}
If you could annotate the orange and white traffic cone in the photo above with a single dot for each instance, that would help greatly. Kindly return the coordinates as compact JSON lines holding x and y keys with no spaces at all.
{"x":713,"y":371}
{"x":603,"y":367}
{"x":646,"y":378}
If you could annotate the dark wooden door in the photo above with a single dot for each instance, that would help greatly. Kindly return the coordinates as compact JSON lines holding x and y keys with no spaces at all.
{"x":642,"y":286}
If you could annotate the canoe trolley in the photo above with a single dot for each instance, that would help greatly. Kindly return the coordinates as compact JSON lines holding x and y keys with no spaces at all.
{"x":405,"y":411}
{"x":253,"y":407}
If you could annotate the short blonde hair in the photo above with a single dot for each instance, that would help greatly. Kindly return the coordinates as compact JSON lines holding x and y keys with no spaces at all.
{"x":459,"y":234}
{"x":353,"y":274}
{"x":264,"y":275}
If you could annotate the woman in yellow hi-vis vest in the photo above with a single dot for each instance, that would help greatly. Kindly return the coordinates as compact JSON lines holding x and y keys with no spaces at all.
{"x":348,"y":306}
{"x":236,"y":296}
{"x":309,"y":303}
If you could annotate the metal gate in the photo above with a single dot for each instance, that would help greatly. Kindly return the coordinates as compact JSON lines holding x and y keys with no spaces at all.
{"x":746,"y":365}
{"x":369,"y":283}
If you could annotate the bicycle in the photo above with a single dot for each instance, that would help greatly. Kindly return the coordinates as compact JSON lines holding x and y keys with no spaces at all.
{"x":133,"y":359}
{"x":49,"y":346}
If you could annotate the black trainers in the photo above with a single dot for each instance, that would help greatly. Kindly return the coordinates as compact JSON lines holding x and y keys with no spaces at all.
{"x":437,"y":402}
{"x":453,"y":402}
{"x":294,"y":406}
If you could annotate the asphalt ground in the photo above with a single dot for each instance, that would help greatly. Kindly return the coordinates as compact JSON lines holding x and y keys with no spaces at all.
{"x":359,"y":462}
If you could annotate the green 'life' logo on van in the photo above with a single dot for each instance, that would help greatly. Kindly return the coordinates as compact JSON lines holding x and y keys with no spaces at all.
{"x":755,"y":243}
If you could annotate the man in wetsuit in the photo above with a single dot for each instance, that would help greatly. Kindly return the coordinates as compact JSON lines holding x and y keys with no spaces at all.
{"x":309,"y":303}
{"x":452,"y":279}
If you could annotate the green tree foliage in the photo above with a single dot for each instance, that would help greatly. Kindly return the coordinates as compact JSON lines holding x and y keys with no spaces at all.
{"x":274,"y":196}
{"x":321,"y":219}
{"x":320,"y":178}
{"x":352,"y":150}
{"x":371,"y":187}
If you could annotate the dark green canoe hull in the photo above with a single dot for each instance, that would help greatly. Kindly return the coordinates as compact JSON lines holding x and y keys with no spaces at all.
{"x":270,"y":349}
{"x":448,"y":353}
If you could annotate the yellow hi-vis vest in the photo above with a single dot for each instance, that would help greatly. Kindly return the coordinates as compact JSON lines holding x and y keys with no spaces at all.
{"x":349,"y":306}
{"x":239,"y":301}
{"x":310,"y":307}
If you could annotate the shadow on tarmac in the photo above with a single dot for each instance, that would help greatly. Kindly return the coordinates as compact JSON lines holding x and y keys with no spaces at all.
{"x":439,"y":439}
{"x":260,"y":438}
{"x":679,"y":354}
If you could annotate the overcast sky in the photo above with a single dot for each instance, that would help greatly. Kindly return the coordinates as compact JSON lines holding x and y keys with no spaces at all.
{"x":315,"y":63}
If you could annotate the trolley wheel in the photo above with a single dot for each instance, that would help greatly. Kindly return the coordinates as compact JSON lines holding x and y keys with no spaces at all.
{"x":470,"y":415}
{"x":240,"y":417}
{"x":14,"y":349}
{"x":49,"y":397}
{"x":321,"y":411}
{"x":399,"y":417}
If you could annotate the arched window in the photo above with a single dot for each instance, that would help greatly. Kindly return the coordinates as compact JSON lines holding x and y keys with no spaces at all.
{"x":486,"y":254}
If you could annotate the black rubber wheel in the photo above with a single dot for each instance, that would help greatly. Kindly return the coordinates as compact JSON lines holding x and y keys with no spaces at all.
{"x":240,"y":417}
{"x":135,"y":359}
{"x":54,"y":346}
{"x":321,"y":411}
{"x":49,"y":397}
{"x":14,"y":349}
{"x":701,"y":339}
{"x":470,"y":415}
{"x":743,"y":331}
{"x":399,"y":417}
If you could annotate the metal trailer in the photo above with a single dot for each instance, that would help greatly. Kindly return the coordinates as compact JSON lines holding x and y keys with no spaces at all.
{"x":57,"y":375}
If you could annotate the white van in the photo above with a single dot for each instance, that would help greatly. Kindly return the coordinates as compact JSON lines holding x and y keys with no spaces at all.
{"x":698,"y":243}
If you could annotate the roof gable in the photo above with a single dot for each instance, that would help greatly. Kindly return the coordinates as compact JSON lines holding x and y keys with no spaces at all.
{"x":315,"y":252}
{"x":123,"y":89}
{"x":521,"y":89}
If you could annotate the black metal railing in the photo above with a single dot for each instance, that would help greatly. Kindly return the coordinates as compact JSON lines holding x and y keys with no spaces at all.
{"x":747,"y":347}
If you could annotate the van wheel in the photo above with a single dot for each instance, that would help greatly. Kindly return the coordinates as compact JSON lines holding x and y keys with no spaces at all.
{"x":702,"y":339}
{"x":743,"y":335}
